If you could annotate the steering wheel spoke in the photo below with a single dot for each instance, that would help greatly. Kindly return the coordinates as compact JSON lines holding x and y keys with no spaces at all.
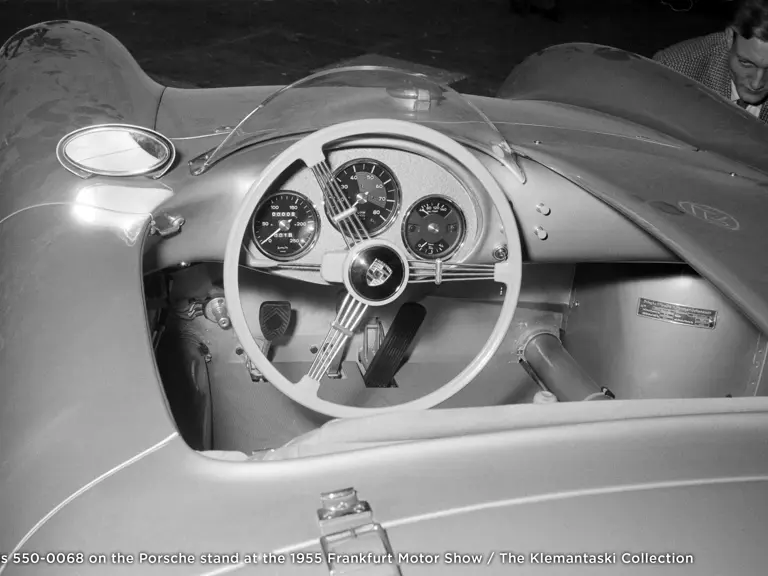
{"x":342,"y":329}
{"x":342,"y":212}
{"x":437,"y":272}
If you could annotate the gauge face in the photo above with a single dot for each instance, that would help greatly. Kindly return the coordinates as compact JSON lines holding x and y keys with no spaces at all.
{"x":371,"y":188}
{"x":433,"y":228}
{"x":285,"y":225}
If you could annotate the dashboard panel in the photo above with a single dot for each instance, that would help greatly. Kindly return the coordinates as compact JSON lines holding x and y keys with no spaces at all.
{"x":578,"y":227}
{"x":396,"y":195}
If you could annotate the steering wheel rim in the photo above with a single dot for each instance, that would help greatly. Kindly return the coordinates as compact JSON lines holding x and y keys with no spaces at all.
{"x":310,"y":150}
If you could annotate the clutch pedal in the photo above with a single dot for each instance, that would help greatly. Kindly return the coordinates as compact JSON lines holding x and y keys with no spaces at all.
{"x":383,"y":367}
{"x":274,"y":319}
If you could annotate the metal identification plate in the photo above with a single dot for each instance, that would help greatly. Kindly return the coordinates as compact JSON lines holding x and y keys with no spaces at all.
{"x":677,"y":313}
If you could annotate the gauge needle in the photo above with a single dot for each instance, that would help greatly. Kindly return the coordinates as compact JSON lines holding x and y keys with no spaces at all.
{"x":282,"y":226}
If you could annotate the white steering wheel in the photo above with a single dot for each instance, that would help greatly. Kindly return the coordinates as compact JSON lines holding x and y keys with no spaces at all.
{"x":375,"y":272}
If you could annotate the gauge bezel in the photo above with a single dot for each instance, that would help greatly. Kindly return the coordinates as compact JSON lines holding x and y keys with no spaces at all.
{"x":462,"y":236}
{"x":398,"y":194}
{"x":309,"y":245}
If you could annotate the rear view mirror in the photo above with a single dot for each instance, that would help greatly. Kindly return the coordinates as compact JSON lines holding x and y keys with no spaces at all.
{"x":119,"y":150}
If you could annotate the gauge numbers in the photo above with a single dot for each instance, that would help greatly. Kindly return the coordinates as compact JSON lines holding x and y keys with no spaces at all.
{"x":285,"y":225}
{"x":372,"y":188}
{"x":433,"y":228}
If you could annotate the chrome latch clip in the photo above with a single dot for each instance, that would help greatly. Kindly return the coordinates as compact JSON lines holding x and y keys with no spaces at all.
{"x":349,"y":532}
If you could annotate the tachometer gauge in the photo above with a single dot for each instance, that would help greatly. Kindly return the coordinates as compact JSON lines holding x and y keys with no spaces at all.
{"x":371,"y":188}
{"x":433,"y":228}
{"x":285,"y":225}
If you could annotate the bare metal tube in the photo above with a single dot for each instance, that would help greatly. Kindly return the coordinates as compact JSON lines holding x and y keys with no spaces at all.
{"x":556,"y":369}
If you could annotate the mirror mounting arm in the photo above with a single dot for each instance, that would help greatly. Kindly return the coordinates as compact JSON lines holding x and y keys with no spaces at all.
{"x":166,"y":225}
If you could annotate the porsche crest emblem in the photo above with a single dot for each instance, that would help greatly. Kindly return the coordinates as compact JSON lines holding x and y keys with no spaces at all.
{"x":377,"y":273}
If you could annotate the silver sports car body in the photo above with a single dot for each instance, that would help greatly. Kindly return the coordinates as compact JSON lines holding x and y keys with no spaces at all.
{"x":364,"y":323}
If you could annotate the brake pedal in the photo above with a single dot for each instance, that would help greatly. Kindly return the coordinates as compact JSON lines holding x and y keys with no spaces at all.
{"x":373,"y":338}
{"x":390,"y":355}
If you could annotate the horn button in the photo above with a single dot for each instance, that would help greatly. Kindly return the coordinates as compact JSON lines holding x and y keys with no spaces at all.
{"x":376,"y":272}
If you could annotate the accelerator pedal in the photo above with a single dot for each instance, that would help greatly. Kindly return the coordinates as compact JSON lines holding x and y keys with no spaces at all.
{"x":390,"y":355}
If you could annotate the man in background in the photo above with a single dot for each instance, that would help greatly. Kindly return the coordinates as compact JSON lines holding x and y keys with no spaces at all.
{"x":733,"y":63}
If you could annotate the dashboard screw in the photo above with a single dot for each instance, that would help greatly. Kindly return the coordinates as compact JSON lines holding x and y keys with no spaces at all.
{"x":542,"y":208}
{"x":500,"y":253}
{"x":313,"y":349}
{"x":541,"y":234}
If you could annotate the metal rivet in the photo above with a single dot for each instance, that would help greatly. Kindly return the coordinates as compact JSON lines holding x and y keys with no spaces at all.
{"x":537,"y":142}
{"x":542,"y":208}
{"x":541,"y":234}
{"x":239,"y":351}
{"x":313,"y":349}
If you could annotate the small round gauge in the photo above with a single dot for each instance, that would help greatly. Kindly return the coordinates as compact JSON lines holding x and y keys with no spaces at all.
{"x":372,"y":188}
{"x":433,"y":228}
{"x":285,"y":225}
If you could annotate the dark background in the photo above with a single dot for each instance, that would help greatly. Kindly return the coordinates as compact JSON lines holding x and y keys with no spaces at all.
{"x":239,"y":42}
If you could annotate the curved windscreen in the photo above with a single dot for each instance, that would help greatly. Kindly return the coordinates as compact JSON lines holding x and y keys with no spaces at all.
{"x":353,"y":93}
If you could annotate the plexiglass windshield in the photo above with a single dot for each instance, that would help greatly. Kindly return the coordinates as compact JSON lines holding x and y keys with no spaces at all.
{"x":353,"y":93}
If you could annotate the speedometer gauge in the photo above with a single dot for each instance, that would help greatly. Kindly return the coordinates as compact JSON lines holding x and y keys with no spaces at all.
{"x":372,"y":189}
{"x":285,"y":225}
{"x":433,"y":228}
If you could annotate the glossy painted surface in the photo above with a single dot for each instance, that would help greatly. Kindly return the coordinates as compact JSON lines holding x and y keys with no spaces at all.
{"x":637,"y":90}
{"x":79,"y":393}
{"x":192,"y":112}
{"x":90,"y":460}
{"x":553,"y":487}
{"x":56,"y":77}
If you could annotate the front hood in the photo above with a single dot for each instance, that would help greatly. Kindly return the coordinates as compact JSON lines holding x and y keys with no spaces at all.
{"x":642,"y":92}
